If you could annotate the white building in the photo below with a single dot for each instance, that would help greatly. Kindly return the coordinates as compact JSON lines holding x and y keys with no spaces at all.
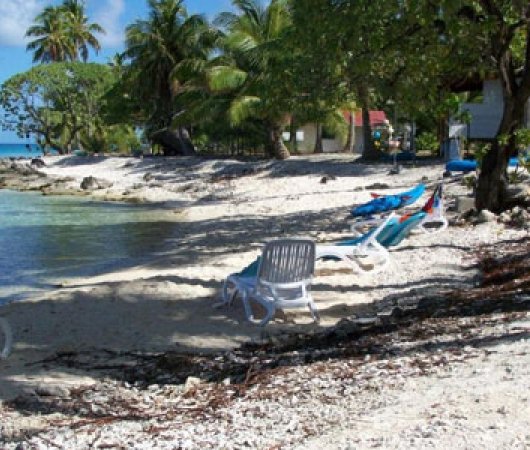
{"x":306,"y":135}
{"x":485,"y":116}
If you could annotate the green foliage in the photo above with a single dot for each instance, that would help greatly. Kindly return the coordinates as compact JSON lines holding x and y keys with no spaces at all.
{"x":113,"y":138}
{"x":122,"y":139}
{"x":481,"y":150}
{"x":164,"y":52}
{"x":250,"y":81}
{"x":427,"y":141}
{"x":60,"y":104}
{"x":522,"y":138}
{"x":62,"y":33}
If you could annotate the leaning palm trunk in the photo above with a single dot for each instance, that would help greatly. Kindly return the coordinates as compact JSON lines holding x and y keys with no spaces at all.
{"x":276,"y":146}
{"x":174,"y":141}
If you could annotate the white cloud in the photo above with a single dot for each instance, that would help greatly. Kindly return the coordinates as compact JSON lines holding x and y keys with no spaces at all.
{"x":108,"y":15}
{"x":15,"y":18}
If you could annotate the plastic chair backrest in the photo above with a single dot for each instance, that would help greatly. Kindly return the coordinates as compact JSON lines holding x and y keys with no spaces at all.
{"x":287,"y":261}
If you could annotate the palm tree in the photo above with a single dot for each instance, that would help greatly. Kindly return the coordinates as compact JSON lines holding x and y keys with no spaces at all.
{"x":62,"y":33}
{"x":81,"y":32}
{"x":157,"y":47}
{"x":52,"y":43}
{"x":252,"y":73}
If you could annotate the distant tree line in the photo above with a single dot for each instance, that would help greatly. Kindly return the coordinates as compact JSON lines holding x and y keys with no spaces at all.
{"x":252,"y":74}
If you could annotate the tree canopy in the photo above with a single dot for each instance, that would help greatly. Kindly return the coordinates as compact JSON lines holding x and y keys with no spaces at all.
{"x":63,"y":33}
{"x":60,"y":104}
{"x":266,"y":66}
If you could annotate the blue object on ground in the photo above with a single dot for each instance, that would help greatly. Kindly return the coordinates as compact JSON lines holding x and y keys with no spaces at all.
{"x":389,"y":202}
{"x":468,"y":165}
{"x":461,"y":165}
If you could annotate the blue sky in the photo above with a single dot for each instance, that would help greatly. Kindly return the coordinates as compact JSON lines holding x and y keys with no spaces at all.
{"x":17,"y":15}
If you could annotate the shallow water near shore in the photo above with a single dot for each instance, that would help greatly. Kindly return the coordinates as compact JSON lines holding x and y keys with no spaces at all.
{"x":44,"y":241}
{"x":20,"y":151}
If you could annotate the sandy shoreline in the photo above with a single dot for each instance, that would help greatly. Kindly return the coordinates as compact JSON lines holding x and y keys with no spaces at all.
{"x":229,"y":208}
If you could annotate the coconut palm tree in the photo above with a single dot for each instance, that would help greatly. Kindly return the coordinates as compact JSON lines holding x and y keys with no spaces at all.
{"x":81,"y":32}
{"x":252,"y":71}
{"x":63,"y":33}
{"x":157,"y":47}
{"x":53,"y":42}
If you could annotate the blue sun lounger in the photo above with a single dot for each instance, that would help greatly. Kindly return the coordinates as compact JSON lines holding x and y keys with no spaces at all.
{"x":388,"y":234}
{"x":384,"y":203}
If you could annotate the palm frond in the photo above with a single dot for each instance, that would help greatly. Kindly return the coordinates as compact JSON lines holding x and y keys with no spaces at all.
{"x":243,"y":108}
{"x":224,"y":78}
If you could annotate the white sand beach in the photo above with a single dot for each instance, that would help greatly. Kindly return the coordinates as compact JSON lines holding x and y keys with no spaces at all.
{"x":227,"y":210}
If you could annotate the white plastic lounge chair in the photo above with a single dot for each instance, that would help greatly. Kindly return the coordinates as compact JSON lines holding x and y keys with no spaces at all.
{"x":433,"y":222}
{"x":365,"y":252}
{"x":6,"y":338}
{"x":282,"y":279}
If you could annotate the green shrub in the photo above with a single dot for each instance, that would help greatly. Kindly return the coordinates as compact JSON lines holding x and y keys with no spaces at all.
{"x":427,"y":141}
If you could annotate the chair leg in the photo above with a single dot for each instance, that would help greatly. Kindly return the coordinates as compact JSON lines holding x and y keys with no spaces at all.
{"x":247,"y":307}
{"x":314,"y":311}
{"x":271,"y":310}
{"x":226,"y":298}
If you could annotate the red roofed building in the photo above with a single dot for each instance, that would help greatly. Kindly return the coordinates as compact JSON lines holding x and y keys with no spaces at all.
{"x":306,"y":135}
{"x":377,"y":118}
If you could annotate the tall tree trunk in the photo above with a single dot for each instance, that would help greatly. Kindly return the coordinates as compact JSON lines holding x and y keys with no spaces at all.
{"x":319,"y":148}
{"x":370,"y":153}
{"x":276,"y":146}
{"x":348,"y":147}
{"x":292,"y":135}
{"x":493,"y":178}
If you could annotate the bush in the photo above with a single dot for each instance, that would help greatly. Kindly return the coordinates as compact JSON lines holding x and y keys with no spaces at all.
{"x":427,"y":141}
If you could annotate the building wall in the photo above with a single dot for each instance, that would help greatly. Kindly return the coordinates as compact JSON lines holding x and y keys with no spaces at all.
{"x":307,"y":144}
{"x":486,"y":116}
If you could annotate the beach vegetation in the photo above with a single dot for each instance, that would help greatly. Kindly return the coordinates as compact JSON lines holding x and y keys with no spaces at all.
{"x":61,"y":105}
{"x":414,"y":53}
{"x":160,"y":52}
{"x":63,"y":33}
{"x":500,"y":32}
{"x":427,"y":141}
{"x":265,"y":68}
{"x":238,"y":100}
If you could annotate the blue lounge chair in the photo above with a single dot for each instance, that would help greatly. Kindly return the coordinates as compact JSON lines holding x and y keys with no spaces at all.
{"x":388,"y":234}
{"x":433,"y":222}
{"x":383,"y":203}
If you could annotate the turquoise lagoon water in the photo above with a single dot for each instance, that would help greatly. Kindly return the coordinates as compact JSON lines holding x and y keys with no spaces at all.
{"x":20,"y":150}
{"x":46,"y":240}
